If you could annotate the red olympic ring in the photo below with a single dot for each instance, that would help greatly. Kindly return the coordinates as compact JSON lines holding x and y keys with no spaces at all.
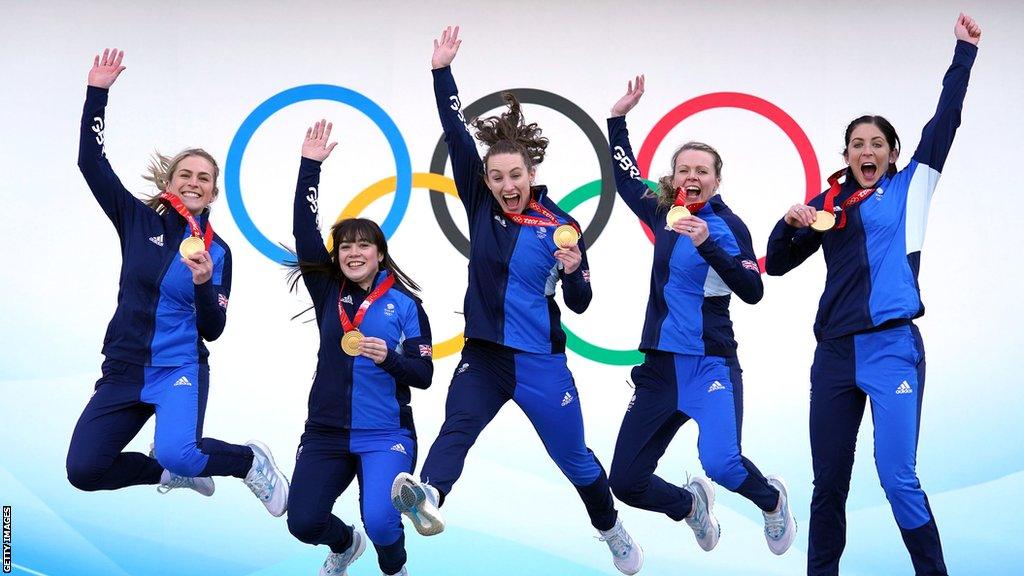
{"x":812,"y":173}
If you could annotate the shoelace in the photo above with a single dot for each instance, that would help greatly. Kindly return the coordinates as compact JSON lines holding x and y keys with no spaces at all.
{"x":260,"y":484}
{"x":775,"y":524}
{"x":176,"y":482}
{"x":618,"y":541}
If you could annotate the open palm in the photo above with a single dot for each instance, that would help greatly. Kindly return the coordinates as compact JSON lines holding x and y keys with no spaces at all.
{"x":446,"y":48}
{"x":106,"y":69}
{"x":630,"y":98}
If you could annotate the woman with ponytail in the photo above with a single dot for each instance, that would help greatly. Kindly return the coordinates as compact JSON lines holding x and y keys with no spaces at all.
{"x":521,"y":246}
{"x":871,"y":230}
{"x":374,"y":346}
{"x":175,"y":283}
{"x":702,"y":256}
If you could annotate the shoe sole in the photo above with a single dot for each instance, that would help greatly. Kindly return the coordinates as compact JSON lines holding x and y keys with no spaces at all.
{"x":709,"y":491}
{"x":410,"y":499}
{"x":273,"y":466}
{"x":791,"y":527}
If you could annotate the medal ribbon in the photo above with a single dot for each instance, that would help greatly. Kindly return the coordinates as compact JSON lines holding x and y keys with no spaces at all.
{"x":681,"y":201}
{"x":549,"y":219}
{"x":180,"y":208}
{"x":349,"y":325}
{"x":854,"y":199}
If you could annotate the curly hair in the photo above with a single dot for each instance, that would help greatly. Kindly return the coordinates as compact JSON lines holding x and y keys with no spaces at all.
{"x":162,"y":167}
{"x":510,"y":134}
{"x":666,"y":194}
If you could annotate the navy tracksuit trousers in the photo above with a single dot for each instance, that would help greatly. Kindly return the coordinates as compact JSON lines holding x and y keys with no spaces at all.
{"x":325,"y":465}
{"x":125,"y":397}
{"x":488,"y":376}
{"x":670,"y":390}
{"x":886,"y":366}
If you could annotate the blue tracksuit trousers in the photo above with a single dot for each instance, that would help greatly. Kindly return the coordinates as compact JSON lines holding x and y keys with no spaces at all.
{"x":886,"y":366}
{"x":488,"y":376}
{"x":670,"y":390}
{"x":325,"y":466}
{"x":124,"y":399}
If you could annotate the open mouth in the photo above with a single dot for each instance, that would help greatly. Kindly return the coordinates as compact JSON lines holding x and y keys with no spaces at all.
{"x":869,"y":169}
{"x":512,"y":201}
{"x":692,"y":192}
{"x":355,"y":265}
{"x":191,"y":194}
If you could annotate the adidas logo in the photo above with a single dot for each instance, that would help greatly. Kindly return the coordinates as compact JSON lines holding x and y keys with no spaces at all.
{"x":183,"y":381}
{"x":567,"y":399}
{"x":716,"y":385}
{"x":904,"y":388}
{"x":158,"y":240}
{"x":500,"y":220}
{"x":631,"y":402}
{"x":399,"y":448}
{"x":462,"y":368}
{"x":347,"y":299}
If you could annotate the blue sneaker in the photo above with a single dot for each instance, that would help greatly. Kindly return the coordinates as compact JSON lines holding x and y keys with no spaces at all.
{"x":780,"y":526}
{"x":418,"y":502}
{"x":627,"y":555}
{"x":266,"y":480}
{"x":702,"y":520}
{"x":337,"y":563}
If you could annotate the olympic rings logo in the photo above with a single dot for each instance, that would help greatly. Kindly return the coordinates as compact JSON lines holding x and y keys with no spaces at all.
{"x":438,"y":184}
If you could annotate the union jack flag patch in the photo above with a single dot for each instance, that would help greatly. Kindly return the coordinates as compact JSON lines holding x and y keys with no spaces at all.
{"x":586,"y":276}
{"x":426,"y":350}
{"x":751,"y":265}
{"x":222,"y":300}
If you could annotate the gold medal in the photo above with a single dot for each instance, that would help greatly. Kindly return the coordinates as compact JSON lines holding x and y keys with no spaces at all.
{"x":566,"y":236}
{"x":824,"y":221}
{"x":350,"y":342}
{"x":191,"y":245}
{"x":675,"y":213}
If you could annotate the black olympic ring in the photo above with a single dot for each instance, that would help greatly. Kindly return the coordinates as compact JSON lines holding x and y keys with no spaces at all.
{"x":548,"y":100}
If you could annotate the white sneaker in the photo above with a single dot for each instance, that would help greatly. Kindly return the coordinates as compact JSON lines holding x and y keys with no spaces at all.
{"x":779,"y":527}
{"x":203,"y":485}
{"x":402,"y":572}
{"x":418,"y":501}
{"x":337,"y":563}
{"x":169,"y":480}
{"x":628,"y":555}
{"x":702,"y":519}
{"x":266,"y":480}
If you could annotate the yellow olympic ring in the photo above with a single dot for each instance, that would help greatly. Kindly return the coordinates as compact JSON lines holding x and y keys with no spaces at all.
{"x":427,"y":181}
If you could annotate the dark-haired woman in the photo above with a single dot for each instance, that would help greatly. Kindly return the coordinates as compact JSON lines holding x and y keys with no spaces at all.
{"x":515,"y":347}
{"x":702,"y":255}
{"x":374,"y":346}
{"x":175,"y":282}
{"x":871,"y":229}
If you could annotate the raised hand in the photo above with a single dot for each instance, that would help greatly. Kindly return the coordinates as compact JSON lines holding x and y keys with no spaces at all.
{"x":967,"y":29}
{"x":630,"y":98}
{"x":693,"y":227}
{"x":446,"y":48}
{"x":315,"y":146}
{"x":106,"y":69}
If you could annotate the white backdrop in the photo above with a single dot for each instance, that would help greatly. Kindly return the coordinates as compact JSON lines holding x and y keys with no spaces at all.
{"x":197,"y":69}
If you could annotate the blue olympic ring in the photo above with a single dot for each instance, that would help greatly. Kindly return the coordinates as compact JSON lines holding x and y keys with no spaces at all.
{"x":233,"y":166}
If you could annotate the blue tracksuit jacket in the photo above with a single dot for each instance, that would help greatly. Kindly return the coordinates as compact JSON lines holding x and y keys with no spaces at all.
{"x":353,"y":392}
{"x":688,"y":307}
{"x":512,"y":268}
{"x":162,"y":318}
{"x":874,"y":261}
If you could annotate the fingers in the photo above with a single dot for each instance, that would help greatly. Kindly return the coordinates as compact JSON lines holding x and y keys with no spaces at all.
{"x":331,"y":147}
{"x":96,"y":61}
{"x":327,"y":133}
{"x":120,"y":56}
{"x":455,"y":36}
{"x":640,"y":83}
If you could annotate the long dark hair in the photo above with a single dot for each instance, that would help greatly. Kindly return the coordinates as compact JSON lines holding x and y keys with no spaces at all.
{"x":884,"y":126}
{"x":510,"y":134}
{"x":351,"y":230}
